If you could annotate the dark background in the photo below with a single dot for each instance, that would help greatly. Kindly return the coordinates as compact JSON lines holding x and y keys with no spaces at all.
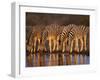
{"x":61,"y":19}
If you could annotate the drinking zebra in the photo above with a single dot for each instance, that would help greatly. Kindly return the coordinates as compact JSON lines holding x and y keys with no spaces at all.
{"x":74,"y":37}
{"x":50,"y":33}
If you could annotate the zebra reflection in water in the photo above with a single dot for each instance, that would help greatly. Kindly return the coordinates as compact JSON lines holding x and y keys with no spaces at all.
{"x":55,"y":44}
{"x":57,"y":59}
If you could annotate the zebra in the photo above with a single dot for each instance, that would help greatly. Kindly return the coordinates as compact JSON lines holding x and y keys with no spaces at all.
{"x":50,"y":33}
{"x":74,"y":34}
{"x":65,"y":36}
{"x":37,"y":36}
{"x":58,"y":40}
{"x":29,"y":41}
{"x":85,"y":35}
{"x":79,"y":35}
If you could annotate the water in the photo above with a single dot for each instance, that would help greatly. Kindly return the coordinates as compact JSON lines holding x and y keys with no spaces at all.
{"x":54,"y":59}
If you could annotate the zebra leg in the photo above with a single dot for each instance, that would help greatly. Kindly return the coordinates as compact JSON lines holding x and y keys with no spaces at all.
{"x":71,"y":48}
{"x":63,"y":46}
{"x":76,"y":45}
{"x":35,"y":44}
{"x":38,"y":44}
{"x":31,"y":50}
{"x":54,"y":47}
{"x":81,"y":40}
{"x":57,"y":45}
{"x":50,"y":47}
{"x":44,"y":47}
{"x":85,"y":42}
